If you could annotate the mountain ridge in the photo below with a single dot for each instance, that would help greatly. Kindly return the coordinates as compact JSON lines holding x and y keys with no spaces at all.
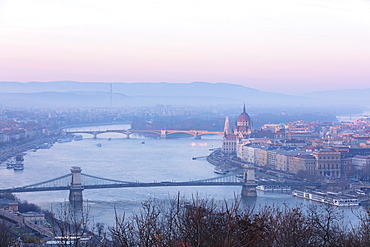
{"x":97,"y":94}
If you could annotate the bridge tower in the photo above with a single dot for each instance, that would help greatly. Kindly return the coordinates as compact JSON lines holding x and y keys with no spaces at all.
{"x":163,"y":134}
{"x":196,"y":135}
{"x":249,"y":186}
{"x":76,"y":188}
{"x":95,"y":134}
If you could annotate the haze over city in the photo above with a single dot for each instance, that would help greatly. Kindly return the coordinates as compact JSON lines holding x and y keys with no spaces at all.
{"x":184,"y":123}
{"x":283,"y":46}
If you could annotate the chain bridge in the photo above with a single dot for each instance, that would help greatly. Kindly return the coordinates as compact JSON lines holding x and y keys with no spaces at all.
{"x":77,"y":181}
{"x":161,"y":133}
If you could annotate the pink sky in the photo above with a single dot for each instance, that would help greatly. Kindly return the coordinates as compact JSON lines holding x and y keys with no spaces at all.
{"x":290,"y":46}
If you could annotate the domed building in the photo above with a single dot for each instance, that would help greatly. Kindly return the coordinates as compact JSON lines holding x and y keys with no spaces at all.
{"x":243,"y":127}
{"x":242,"y":130}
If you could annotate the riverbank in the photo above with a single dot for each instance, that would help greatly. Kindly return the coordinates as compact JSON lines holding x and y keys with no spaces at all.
{"x":10,"y":151}
{"x":217,"y":159}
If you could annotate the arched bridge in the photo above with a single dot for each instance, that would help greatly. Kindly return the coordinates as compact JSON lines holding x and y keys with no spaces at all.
{"x":161,"y":133}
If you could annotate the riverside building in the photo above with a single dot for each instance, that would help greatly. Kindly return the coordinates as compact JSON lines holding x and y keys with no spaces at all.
{"x":242,"y":130}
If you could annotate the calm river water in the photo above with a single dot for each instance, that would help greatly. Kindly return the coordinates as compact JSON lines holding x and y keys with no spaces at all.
{"x":129,"y":160}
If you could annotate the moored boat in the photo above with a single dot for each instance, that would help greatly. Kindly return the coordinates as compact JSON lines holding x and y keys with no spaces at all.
{"x":274,"y":188}
{"x":335,"y":199}
{"x":63,"y":140}
{"x":10,"y":164}
{"x":19,"y":162}
{"x":18,"y":167}
{"x":220,"y":170}
{"x":45,"y":145}
{"x":78,"y":137}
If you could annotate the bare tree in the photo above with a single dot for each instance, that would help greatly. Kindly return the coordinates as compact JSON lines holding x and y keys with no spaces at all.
{"x":203,"y":222}
{"x":100,"y":228}
{"x":123,"y":232}
{"x":290,"y":226}
{"x":360,"y":234}
{"x":328,"y":225}
{"x":70,"y":222}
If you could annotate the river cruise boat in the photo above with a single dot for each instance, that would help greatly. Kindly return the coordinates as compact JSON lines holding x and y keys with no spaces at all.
{"x":19,"y":162}
{"x":331,"y":198}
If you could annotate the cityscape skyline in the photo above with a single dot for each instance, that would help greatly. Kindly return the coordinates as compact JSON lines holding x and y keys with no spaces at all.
{"x":288,"y":47}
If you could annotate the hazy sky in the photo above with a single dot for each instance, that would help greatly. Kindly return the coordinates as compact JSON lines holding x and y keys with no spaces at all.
{"x":282,"y":46}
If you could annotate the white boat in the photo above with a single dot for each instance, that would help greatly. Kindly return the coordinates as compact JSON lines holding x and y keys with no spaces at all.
{"x":63,"y":140}
{"x":220,"y":170}
{"x":46,"y":145}
{"x":331,"y":198}
{"x":78,"y":137}
{"x":279,"y":188}
{"x":19,"y":162}
{"x":10,"y":164}
{"x":18,"y":167}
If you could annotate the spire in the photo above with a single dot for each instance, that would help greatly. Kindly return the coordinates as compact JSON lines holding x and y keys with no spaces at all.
{"x":226,"y":126}
{"x":244,"y":108}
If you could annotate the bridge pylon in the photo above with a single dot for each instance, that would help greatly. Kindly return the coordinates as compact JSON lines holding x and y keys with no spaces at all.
{"x":197,"y":136}
{"x":76,"y":188}
{"x":163,"y":134}
{"x":249,"y":185}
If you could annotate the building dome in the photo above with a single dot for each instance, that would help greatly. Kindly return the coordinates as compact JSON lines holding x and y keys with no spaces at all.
{"x":243,"y":125}
{"x":244,"y":119}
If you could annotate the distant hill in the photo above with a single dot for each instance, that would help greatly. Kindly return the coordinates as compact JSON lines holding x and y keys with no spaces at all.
{"x":95,"y":94}
{"x":67,"y":99}
{"x":195,"y":94}
{"x":349,"y":96}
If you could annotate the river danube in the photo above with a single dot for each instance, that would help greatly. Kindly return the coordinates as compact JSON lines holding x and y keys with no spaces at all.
{"x":135,"y":159}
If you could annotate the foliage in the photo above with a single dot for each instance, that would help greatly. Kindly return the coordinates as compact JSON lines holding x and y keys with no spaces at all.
{"x":24,"y":207}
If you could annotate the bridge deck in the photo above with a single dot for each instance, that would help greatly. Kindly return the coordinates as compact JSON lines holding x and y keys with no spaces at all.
{"x":157,"y":184}
{"x":158,"y":132}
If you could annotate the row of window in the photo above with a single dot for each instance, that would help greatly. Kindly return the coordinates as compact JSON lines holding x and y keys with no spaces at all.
{"x":328,"y":158}
{"x":330,"y":174}
{"x":328,"y":166}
